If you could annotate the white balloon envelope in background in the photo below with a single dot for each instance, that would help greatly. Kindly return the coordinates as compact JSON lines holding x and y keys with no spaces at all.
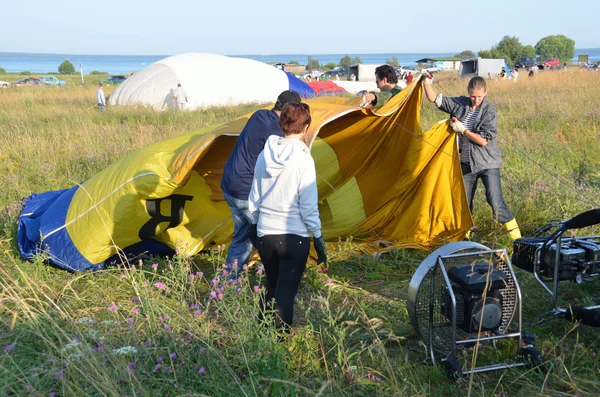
{"x":209,"y":80}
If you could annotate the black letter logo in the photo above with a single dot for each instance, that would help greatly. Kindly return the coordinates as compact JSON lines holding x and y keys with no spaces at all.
{"x":174,"y":218}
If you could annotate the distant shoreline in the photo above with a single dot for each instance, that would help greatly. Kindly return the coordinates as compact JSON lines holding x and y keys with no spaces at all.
{"x":577,"y":50}
{"x":39,"y":63}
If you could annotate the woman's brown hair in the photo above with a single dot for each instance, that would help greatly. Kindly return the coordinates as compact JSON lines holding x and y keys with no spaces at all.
{"x":294,"y":116}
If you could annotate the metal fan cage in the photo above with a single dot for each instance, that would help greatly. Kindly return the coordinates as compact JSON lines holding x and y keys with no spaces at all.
{"x":429,"y":290}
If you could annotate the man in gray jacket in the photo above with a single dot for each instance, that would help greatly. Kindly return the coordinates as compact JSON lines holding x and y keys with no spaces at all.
{"x":476,"y":122}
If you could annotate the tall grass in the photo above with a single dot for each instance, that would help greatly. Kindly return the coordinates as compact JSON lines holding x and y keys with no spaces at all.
{"x":175,"y":326}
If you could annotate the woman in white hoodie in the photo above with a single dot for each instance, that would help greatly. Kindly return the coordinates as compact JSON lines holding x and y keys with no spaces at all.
{"x":284,"y":206}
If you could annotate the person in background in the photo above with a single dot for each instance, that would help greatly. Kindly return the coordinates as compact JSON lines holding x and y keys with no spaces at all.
{"x":503,"y":74}
{"x":386,"y":80}
{"x":239,"y":171}
{"x":409,"y":78}
{"x":476,"y":121}
{"x":100,"y":98}
{"x":352,"y":77}
{"x":180,"y":96}
{"x":515,"y":75}
{"x":284,"y":207}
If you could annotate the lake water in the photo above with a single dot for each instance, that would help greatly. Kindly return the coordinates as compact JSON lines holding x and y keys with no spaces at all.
{"x":121,"y":64}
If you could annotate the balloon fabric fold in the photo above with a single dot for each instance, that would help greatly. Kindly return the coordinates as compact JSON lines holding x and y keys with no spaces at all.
{"x":379,"y":178}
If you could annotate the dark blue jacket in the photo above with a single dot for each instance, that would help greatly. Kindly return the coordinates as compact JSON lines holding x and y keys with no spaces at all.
{"x":239,"y":169}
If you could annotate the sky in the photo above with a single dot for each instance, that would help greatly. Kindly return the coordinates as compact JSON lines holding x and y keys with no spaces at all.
{"x":252,"y":27}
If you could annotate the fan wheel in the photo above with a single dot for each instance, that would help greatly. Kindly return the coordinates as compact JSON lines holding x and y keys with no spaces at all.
{"x":452,"y":369}
{"x":534,"y":358}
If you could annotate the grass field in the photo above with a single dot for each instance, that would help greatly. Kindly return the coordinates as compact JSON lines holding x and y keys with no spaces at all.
{"x":155,"y":329}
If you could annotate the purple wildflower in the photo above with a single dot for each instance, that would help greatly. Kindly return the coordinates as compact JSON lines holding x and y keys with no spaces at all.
{"x":192,"y":276}
{"x":9,"y":347}
{"x":161,"y":286}
{"x":202,"y":371}
{"x":137,"y":300}
{"x":201,"y":351}
{"x":132,"y":366}
{"x":155,"y":266}
{"x":159,"y":360}
{"x":255,"y":288}
{"x":172,"y":356}
{"x":213,"y":294}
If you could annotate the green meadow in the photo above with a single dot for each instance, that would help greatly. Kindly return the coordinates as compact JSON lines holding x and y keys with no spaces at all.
{"x":169,"y":327}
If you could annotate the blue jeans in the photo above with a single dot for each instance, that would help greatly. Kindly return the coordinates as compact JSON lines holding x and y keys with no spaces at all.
{"x":493,"y":191}
{"x":241,"y":247}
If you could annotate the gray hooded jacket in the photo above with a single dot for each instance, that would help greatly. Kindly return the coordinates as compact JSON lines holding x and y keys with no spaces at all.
{"x":284,"y":196}
{"x":486,"y":124}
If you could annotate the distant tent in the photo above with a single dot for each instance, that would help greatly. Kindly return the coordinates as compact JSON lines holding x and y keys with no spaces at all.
{"x":326,"y":87}
{"x":208,"y":79}
{"x":300,"y":86}
{"x":380,"y":178}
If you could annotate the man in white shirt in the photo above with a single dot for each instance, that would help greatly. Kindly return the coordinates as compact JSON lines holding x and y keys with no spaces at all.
{"x":100,"y":98}
{"x":180,"y":96}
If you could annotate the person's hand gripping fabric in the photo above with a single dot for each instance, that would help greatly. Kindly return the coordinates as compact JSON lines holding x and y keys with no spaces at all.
{"x":457,"y":126}
{"x":319,"y":243}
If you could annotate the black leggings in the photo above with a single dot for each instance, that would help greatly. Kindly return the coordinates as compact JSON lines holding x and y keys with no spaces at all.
{"x":284,"y":257}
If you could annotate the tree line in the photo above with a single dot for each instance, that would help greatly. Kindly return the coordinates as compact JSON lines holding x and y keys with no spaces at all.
{"x":511,"y":49}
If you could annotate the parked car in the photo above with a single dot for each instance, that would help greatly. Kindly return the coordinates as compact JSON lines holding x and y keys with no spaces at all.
{"x":525,"y":63}
{"x":552,"y":62}
{"x":4,"y":84}
{"x":52,"y":80}
{"x":432,"y":69}
{"x":591,"y":66}
{"x":401,"y":70}
{"x":27,"y":81}
{"x":116,"y":79}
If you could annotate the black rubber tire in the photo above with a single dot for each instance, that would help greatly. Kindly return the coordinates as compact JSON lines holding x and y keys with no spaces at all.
{"x":452,"y":369}
{"x":534,"y":358}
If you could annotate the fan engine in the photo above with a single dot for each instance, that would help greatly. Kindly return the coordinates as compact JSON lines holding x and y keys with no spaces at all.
{"x":476,"y":289}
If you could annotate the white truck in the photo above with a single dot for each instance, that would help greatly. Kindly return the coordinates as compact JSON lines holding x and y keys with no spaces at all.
{"x":363,"y":71}
{"x":486,"y":68}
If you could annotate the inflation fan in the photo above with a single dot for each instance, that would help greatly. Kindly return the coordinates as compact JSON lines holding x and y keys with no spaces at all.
{"x":465,"y":296}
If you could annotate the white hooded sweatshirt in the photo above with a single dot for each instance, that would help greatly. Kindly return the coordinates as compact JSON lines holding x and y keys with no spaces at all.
{"x":284,"y":196}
